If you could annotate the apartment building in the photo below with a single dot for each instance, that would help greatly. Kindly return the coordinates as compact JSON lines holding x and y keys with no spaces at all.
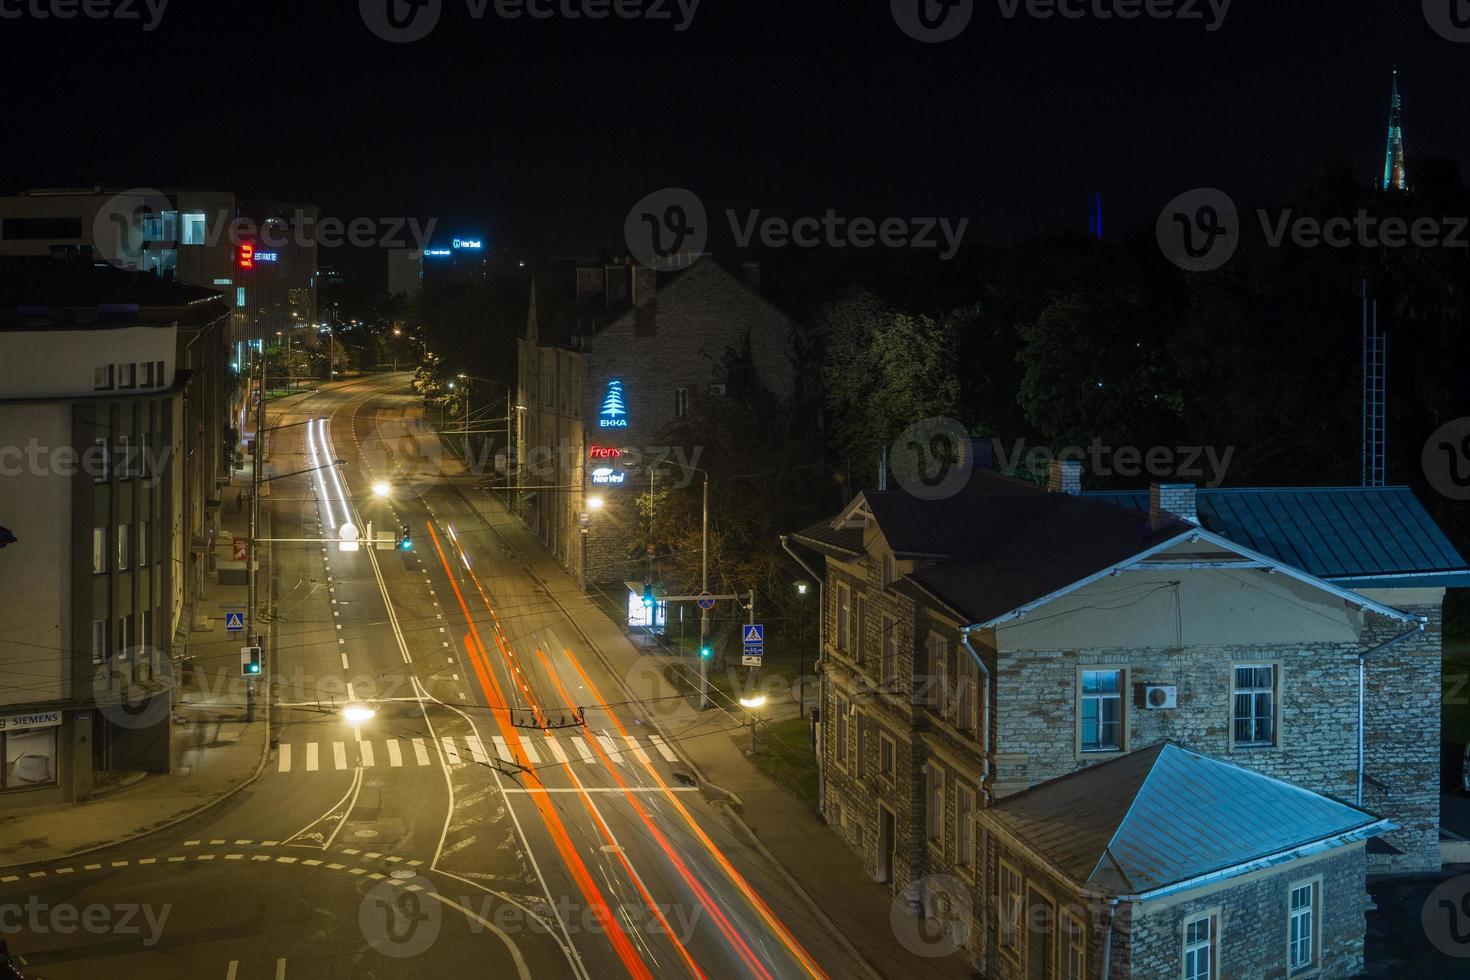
{"x":1165,"y":733}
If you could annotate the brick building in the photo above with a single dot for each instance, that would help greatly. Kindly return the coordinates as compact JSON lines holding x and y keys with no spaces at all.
{"x":614,"y":357}
{"x":1008,"y":637}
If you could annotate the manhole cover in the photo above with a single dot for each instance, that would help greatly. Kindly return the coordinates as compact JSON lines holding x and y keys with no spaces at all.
{"x":364,"y":834}
{"x":403,"y":873}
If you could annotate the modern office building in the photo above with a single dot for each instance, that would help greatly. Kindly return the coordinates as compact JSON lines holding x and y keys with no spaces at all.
{"x":111,"y":452}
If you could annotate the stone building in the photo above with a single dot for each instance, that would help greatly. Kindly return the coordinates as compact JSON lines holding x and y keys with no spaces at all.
{"x":1008,"y":637}
{"x":614,"y":357}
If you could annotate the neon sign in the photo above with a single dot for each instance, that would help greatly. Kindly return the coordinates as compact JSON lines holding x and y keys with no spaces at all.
{"x":614,"y":413}
{"x":473,"y":244}
{"x":437,"y":253}
{"x":247,"y":255}
{"x":604,"y":452}
{"x":606,"y":476}
{"x":267,"y":256}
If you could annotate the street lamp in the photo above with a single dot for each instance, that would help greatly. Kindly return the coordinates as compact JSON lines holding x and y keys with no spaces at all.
{"x":751,"y":702}
{"x":801,"y":591}
{"x":595,"y":503}
{"x":382,"y":488}
{"x":358,"y":713}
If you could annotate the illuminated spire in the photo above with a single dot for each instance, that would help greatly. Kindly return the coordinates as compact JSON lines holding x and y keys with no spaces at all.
{"x":1395,"y":175}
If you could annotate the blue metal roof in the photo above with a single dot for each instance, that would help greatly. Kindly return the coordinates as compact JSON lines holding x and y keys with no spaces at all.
{"x":1164,"y":815}
{"x":1330,"y":532}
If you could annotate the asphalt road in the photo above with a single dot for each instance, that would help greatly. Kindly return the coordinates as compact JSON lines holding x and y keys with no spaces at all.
{"x":507,"y":810}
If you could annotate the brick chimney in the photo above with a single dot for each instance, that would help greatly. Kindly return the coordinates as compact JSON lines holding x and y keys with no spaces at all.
{"x":1066,"y":477}
{"x":645,"y":284}
{"x":1174,"y":499}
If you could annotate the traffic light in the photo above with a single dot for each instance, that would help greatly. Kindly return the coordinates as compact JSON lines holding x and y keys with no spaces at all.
{"x":648,"y":599}
{"x":706,"y":652}
{"x":405,"y":539}
{"x":250,"y":661}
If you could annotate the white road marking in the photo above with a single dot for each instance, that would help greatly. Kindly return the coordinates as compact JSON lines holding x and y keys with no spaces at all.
{"x":366,"y":748}
{"x":451,"y":751}
{"x":477,"y":749}
{"x":502,"y":750}
{"x":584,"y":751}
{"x":395,"y":754}
{"x":339,"y":754}
{"x":285,"y":762}
{"x":530,"y":751}
{"x":311,"y":765}
{"x":230,"y":973}
{"x":609,"y":747}
{"x":280,"y":969}
{"x":344,"y":662}
{"x":420,"y":752}
{"x":637,"y":750}
{"x":663,"y":749}
{"x":556,"y":750}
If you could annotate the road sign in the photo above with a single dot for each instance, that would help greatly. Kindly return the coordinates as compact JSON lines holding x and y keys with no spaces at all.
{"x":235,"y":622}
{"x":241,"y":549}
{"x":750,"y":660}
{"x":753,"y":637}
{"x":706,"y":601}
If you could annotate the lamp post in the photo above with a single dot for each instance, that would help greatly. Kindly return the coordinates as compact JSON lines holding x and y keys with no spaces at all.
{"x":750,"y":703}
{"x":802,"y":588}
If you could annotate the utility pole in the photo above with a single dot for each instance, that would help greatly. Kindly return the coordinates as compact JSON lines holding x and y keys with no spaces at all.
{"x":704,"y":613}
{"x":258,"y":454}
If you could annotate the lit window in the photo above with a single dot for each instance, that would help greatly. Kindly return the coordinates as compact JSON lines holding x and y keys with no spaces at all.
{"x":240,"y":297}
{"x":1101,"y":717}
{"x":142,"y":544}
{"x":1255,"y":705}
{"x":1199,"y":948}
{"x":1302,"y":926}
{"x":122,"y":547}
{"x":102,"y":378}
{"x":192,"y":229}
{"x":99,"y":550}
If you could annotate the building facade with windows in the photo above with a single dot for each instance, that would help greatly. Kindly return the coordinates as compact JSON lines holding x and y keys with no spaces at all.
{"x":108,"y":473}
{"x":1010,"y":643}
{"x":615,"y":359}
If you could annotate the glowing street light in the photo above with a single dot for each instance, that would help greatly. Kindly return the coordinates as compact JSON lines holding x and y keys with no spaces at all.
{"x":358,"y":713}
{"x":382,"y":488}
{"x":595,"y":503}
{"x":754,"y":701}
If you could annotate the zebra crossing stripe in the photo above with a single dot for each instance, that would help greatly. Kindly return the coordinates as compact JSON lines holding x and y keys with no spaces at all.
{"x":637,"y":750}
{"x":530,"y":751}
{"x":581,"y":743}
{"x":395,"y":753}
{"x":450,"y":750}
{"x":556,"y":750}
{"x":502,"y":750}
{"x":477,"y":749}
{"x":339,"y":755}
{"x":420,"y":752}
{"x":285,"y":760}
{"x":311,"y":760}
{"x":610,"y":747}
{"x":663,"y":750}
{"x":366,"y":748}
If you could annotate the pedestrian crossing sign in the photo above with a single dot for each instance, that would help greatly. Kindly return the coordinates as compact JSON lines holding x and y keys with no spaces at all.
{"x":235,"y":622}
{"x":755,"y":633}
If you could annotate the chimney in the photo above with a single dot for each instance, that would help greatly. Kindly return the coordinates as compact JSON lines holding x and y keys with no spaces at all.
{"x":1174,"y":499}
{"x":645,"y":284}
{"x":589,"y":283}
{"x":615,"y":289}
{"x":1066,"y":477}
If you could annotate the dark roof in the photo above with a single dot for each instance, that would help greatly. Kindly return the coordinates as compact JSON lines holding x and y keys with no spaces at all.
{"x":1334,"y":533}
{"x":1001,"y":543}
{"x":1164,"y":815}
{"x":58,"y":293}
{"x":845,"y":542}
{"x":561,"y":317}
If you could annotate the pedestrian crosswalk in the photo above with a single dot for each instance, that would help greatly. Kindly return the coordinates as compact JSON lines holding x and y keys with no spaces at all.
{"x":538,"y":748}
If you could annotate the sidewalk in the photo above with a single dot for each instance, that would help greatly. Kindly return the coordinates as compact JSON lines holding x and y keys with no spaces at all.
{"x":214,"y":751}
{"x":803,"y":847}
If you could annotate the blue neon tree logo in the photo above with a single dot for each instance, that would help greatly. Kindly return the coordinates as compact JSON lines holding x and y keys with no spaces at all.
{"x":614,"y":407}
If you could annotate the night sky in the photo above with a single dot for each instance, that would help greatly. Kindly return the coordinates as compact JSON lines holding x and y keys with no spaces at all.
{"x":544,"y":133}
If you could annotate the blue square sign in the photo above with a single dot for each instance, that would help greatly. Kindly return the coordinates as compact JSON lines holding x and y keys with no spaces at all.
{"x":235,"y":622}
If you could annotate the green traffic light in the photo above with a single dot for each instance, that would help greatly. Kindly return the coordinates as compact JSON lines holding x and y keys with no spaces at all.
{"x":706,"y":652}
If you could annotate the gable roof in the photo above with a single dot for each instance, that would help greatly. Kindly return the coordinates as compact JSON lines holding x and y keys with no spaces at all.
{"x":1164,"y":815}
{"x":1363,"y":537}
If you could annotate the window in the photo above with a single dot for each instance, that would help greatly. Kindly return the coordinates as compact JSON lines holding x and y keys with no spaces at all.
{"x":934,"y":803}
{"x":127,"y":375}
{"x":841,"y":732}
{"x":142,"y":544}
{"x":99,"y":550}
{"x":148,"y":374}
{"x":1010,"y":910}
{"x":142,"y":467}
{"x":1255,"y":705}
{"x":967,"y":682}
{"x":102,"y":378}
{"x":1200,"y":943}
{"x":888,"y":575}
{"x":29,"y":758}
{"x":861,"y":762}
{"x":158,"y":374}
{"x":101,"y":648}
{"x":964,"y":827}
{"x":844,"y":617}
{"x":1101,"y":714}
{"x":122,"y":547}
{"x":890,"y":651}
{"x":127,"y":636}
{"x":240,"y":297}
{"x":681,"y":402}
{"x":938,"y":679}
{"x":1301,"y":942}
{"x":102,"y":464}
{"x":145,"y":638}
{"x":1074,"y":947}
{"x":191,"y":229}
{"x":124,"y":458}
{"x":859,"y":628}
{"x":886,"y":751}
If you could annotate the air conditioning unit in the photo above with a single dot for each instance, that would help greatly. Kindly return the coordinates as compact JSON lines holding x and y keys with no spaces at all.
{"x":1159,"y":697}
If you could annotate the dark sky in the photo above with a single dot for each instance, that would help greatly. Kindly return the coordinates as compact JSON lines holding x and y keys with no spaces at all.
{"x":535,"y":131}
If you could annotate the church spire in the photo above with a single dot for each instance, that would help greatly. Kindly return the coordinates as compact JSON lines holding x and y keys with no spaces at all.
{"x":1395,"y":175}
